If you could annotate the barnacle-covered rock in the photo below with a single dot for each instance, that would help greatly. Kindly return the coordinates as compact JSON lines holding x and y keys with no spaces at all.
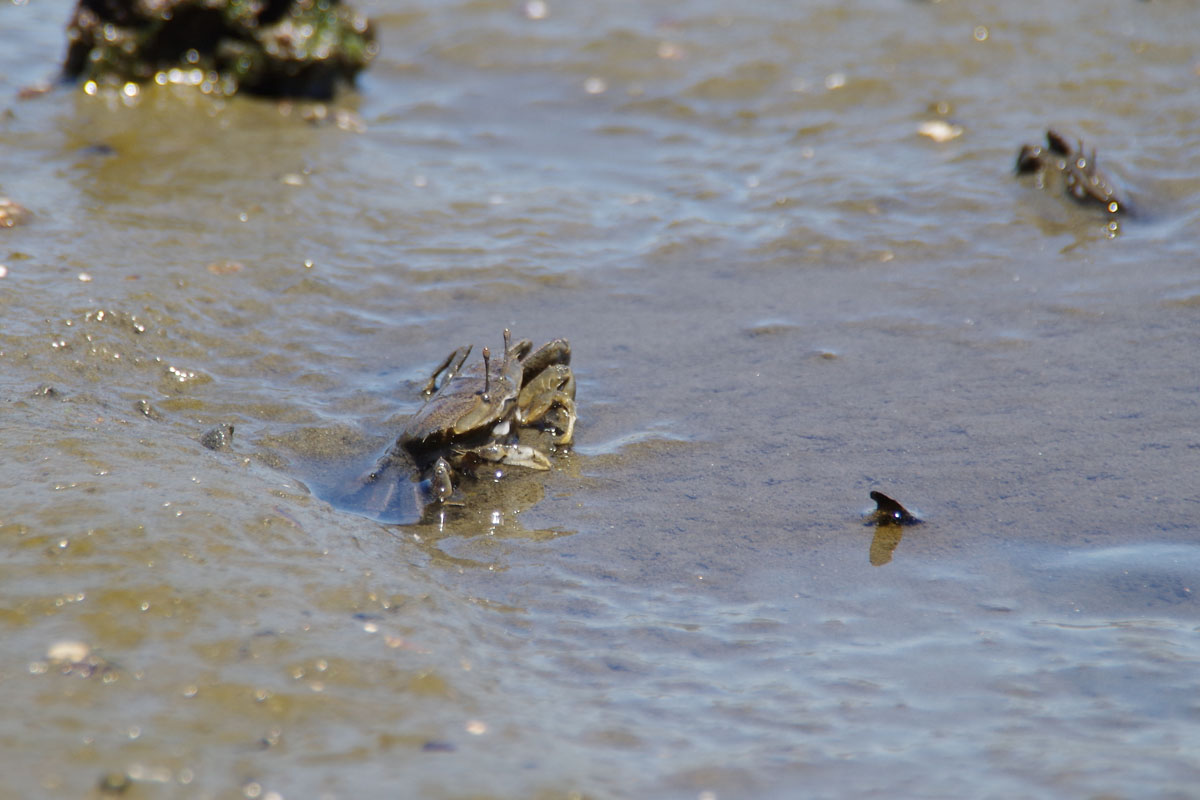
{"x":296,"y":48}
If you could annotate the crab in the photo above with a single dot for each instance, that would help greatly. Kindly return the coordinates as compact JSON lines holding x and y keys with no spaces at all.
{"x":473,"y":413}
{"x":1082,"y":180}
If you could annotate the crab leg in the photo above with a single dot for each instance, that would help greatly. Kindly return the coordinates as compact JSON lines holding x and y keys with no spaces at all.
{"x":450,"y":365}
{"x":517,"y":455}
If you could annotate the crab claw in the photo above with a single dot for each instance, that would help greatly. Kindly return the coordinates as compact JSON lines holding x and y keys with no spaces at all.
{"x":562,"y":417}
{"x":518,"y":455}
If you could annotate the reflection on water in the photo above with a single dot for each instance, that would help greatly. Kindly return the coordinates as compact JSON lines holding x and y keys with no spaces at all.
{"x":490,"y":509}
{"x":885,"y":541}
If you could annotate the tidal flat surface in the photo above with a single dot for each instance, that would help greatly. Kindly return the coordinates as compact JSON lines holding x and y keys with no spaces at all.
{"x":780,"y":296}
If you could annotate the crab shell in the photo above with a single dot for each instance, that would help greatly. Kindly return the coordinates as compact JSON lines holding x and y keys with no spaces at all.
{"x":466,"y":406}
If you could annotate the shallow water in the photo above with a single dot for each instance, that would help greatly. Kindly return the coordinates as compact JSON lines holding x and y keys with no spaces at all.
{"x":779,"y":295}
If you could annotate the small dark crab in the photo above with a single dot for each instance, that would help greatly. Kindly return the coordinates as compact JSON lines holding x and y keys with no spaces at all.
{"x":1082,"y":179}
{"x":474,"y":413}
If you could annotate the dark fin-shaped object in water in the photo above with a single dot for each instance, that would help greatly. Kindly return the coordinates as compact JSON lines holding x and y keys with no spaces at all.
{"x":889,"y":512}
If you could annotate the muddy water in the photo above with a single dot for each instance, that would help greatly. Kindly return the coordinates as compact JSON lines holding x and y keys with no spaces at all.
{"x":780,"y":296}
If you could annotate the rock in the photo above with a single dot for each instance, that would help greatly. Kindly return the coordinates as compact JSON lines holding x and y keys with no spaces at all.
{"x":218,"y":438}
{"x":889,"y":512}
{"x":293,"y":48}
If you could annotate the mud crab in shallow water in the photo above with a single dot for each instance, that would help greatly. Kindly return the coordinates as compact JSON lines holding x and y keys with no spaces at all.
{"x":474,"y":414}
{"x":1081,"y":178}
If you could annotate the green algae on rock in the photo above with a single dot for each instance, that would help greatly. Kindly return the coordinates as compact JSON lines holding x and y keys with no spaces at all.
{"x":294,"y":48}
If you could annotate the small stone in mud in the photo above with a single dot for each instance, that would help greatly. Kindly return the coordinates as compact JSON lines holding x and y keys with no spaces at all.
{"x":98,"y":150}
{"x":12,"y":214}
{"x":939,"y":130}
{"x":148,"y":411}
{"x":68,"y":651}
{"x":35,"y":90}
{"x":227,"y":267}
{"x":115,"y":783}
{"x":71,"y":657}
{"x":218,"y":438}
{"x":889,"y":512}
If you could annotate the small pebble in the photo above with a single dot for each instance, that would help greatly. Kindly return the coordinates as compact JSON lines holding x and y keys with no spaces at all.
{"x":12,"y":214}
{"x":115,"y":783}
{"x":68,"y":651}
{"x":144,"y":408}
{"x":939,"y":131}
{"x":225,"y":267}
{"x":218,"y":438}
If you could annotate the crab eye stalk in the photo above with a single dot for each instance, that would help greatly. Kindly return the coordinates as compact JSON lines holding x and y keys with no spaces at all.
{"x":487,"y":374}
